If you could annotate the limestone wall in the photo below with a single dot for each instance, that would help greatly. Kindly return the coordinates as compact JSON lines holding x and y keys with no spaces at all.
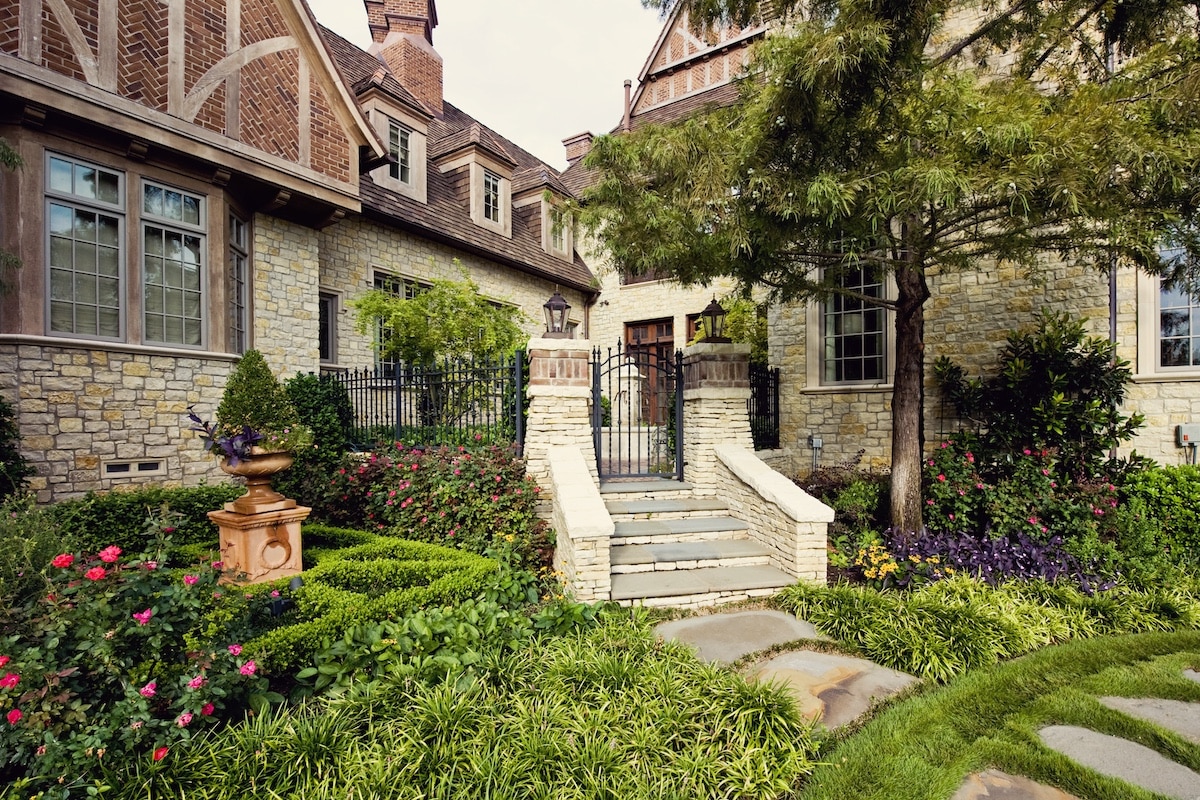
{"x":82,"y":407}
{"x":582,"y":525}
{"x":355,"y":247}
{"x":285,"y":295}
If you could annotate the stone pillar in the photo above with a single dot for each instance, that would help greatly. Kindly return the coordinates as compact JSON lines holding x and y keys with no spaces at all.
{"x":560,"y":407}
{"x":716,"y":388}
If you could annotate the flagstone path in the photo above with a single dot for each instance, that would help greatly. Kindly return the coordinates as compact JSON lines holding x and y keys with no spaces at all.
{"x":837,"y":689}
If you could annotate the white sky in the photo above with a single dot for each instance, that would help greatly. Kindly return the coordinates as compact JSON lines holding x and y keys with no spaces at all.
{"x":535,"y":71}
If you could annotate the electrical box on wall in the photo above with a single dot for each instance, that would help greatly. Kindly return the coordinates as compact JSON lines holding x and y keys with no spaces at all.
{"x":1187,"y":435}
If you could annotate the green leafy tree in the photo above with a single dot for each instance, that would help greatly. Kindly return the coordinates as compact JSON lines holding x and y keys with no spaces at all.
{"x":448,"y":322}
{"x":913,"y":138}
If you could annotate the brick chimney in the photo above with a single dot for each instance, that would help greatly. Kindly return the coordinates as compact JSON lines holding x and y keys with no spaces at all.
{"x":402,"y":31}
{"x":577,"y":146}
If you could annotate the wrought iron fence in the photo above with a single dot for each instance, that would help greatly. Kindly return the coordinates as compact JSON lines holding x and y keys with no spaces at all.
{"x":763,"y":406}
{"x":451,"y":403}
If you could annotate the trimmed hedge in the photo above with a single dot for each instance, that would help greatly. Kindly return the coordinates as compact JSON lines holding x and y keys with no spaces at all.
{"x":96,"y":521}
{"x":1170,"y":497}
{"x":375,"y":581}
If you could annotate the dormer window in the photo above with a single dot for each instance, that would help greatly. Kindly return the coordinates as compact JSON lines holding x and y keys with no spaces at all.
{"x":399,"y":148}
{"x":558,"y":230}
{"x":491,"y":196}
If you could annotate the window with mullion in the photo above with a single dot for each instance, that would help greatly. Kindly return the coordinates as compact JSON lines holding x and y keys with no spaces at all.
{"x":853,"y":331}
{"x":172,"y":266}
{"x":238,"y":282}
{"x":400,"y":150}
{"x":491,"y":196}
{"x":85,"y":233}
{"x":1179,"y":329}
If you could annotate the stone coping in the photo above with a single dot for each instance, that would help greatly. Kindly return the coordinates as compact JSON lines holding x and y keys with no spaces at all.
{"x":576,"y":495}
{"x":772,"y":486}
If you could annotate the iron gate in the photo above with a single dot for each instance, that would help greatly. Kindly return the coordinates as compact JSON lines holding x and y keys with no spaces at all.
{"x":637,"y":411}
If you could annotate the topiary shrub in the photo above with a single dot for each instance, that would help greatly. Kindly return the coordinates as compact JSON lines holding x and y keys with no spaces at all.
{"x":323,"y":405}
{"x":119,"y":518}
{"x":14,"y":469}
{"x":254,"y":399}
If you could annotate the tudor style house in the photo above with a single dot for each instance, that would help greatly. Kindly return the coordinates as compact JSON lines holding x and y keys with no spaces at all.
{"x":837,"y":358}
{"x":208,"y":176}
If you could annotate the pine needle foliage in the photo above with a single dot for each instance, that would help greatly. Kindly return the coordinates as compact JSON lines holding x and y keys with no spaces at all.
{"x":916,"y":139}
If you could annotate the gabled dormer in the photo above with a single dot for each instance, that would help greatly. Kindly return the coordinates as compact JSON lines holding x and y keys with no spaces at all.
{"x":402,"y":123}
{"x":542,"y":196}
{"x":480,"y":170}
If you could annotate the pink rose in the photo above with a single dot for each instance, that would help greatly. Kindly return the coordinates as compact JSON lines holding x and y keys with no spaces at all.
{"x":207,"y":710}
{"x":95,"y":574}
{"x":3,"y":660}
{"x":14,"y":716}
{"x":161,"y":753}
{"x":248,"y":668}
{"x":197,"y":682}
{"x":149,"y":690}
{"x":63,"y":560}
{"x":151,"y":565}
{"x":110,"y":554}
{"x":235,"y":649}
{"x":190,"y":580}
{"x":9,"y":680}
{"x":184,"y":719}
{"x":143,"y":617}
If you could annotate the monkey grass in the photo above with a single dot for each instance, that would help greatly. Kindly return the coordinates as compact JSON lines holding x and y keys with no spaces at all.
{"x":923,"y":748}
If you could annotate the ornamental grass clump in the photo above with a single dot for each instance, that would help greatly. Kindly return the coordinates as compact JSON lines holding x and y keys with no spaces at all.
{"x":118,"y":662}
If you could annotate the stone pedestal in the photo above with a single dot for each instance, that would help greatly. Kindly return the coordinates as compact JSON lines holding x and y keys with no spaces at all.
{"x":260,"y":547}
{"x":560,"y":407}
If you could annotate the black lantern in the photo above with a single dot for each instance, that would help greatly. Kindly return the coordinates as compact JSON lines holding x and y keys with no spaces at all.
{"x":556,"y":309}
{"x":712,"y":320}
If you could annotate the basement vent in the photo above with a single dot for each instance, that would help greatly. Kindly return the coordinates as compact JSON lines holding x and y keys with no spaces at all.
{"x":134,"y":469}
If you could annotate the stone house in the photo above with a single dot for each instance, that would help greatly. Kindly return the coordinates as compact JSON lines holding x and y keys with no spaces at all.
{"x":205,"y":177}
{"x":836,"y":362}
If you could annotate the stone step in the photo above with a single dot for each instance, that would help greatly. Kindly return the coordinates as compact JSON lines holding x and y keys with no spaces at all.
{"x":694,"y":588}
{"x":630,"y":558}
{"x":645,"y":489}
{"x":691,"y":529}
{"x":665,"y":509}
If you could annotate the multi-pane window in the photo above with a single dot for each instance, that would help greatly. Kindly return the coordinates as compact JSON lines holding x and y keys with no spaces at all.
{"x":172,"y":265}
{"x":400,"y":151}
{"x":85,"y":229}
{"x":237,"y":282}
{"x":853,"y":331}
{"x":558,"y":230}
{"x":397,"y":287}
{"x":1179,"y":328}
{"x":327,"y":326}
{"x":491,"y":196}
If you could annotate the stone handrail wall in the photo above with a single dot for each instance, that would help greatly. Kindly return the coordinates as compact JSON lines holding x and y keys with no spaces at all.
{"x":582,"y":525}
{"x":782,"y":517}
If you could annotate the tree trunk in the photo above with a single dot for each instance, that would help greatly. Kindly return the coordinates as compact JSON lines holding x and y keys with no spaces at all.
{"x":908,"y":396}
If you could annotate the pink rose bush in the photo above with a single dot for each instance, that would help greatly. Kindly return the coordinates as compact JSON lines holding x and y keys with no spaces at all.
{"x":125,"y":656}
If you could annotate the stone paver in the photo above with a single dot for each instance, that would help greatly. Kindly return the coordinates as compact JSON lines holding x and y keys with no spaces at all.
{"x":832,"y":688}
{"x":1174,"y":715}
{"x":992,"y":784}
{"x":685,"y":582}
{"x":727,"y":637}
{"x":1123,"y":759}
{"x":1192,"y":674}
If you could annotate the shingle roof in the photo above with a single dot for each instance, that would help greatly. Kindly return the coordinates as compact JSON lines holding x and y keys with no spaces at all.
{"x":444,"y":218}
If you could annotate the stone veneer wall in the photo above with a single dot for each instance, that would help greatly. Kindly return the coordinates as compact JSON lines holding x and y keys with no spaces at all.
{"x":81,"y":404}
{"x":716,"y":386}
{"x":79,"y":407}
{"x":582,"y":525}
{"x":355,"y":247}
{"x":285,"y":314}
{"x":967,"y":319}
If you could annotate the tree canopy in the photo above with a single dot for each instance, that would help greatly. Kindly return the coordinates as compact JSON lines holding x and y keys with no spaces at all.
{"x":913,"y":137}
{"x":448,"y":320}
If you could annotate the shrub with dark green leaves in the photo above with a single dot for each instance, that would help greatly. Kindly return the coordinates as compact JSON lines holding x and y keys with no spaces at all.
{"x":1169,"y":497}
{"x":322,"y":404}
{"x":380,"y":579}
{"x":14,"y":469}
{"x":98,"y":520}
{"x":465,"y":498}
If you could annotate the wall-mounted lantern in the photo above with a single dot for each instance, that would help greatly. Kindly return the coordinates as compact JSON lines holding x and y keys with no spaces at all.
{"x":556,"y":309}
{"x":712,"y":322}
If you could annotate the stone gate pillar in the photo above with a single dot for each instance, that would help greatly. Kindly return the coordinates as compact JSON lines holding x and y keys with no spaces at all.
{"x":560,"y":406}
{"x":716,"y":388}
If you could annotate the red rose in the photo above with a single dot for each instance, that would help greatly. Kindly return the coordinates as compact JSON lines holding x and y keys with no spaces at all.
{"x":95,"y":574}
{"x":63,"y":560}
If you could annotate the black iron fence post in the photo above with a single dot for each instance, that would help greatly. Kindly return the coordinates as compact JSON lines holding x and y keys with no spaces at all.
{"x":519,"y":398}
{"x":679,"y":415}
{"x":597,"y":411}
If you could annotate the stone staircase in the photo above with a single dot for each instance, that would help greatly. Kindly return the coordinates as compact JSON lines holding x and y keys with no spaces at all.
{"x":670,"y":548}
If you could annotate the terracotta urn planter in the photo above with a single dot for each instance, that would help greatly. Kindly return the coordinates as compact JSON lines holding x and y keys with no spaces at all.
{"x":258,"y":468}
